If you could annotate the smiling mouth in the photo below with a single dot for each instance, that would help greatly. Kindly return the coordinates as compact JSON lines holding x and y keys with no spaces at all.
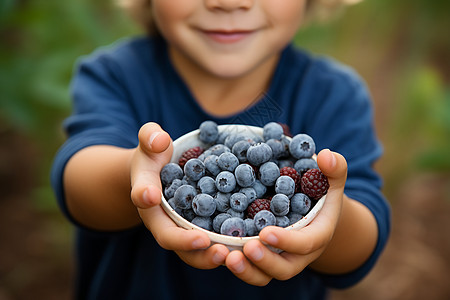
{"x":227,"y":37}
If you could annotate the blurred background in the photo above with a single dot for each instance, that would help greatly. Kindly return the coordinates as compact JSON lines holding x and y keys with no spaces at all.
{"x":401,"y":48}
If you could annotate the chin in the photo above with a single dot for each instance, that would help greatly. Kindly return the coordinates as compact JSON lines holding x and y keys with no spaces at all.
{"x":229,"y":70}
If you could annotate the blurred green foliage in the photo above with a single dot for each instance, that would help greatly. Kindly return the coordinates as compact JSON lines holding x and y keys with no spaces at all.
{"x":405,"y":42}
{"x":402,"y":48}
{"x":40,"y":42}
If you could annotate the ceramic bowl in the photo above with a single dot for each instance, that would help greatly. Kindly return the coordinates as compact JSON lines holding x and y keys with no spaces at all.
{"x":190,"y":140}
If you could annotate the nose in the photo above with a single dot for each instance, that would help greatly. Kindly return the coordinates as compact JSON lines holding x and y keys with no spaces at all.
{"x":228,"y":5}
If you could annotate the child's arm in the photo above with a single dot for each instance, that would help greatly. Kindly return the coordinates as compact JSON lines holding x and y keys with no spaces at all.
{"x":340,"y":239}
{"x":99,"y":180}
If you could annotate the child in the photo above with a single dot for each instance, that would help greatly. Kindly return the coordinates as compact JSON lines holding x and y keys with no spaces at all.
{"x":229,"y":61}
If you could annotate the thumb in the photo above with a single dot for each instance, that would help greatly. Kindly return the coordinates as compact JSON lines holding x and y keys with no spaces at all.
{"x":334,"y":166}
{"x":154,"y":151}
{"x":153,"y":139}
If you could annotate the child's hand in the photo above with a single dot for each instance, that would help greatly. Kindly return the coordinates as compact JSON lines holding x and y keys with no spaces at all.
{"x":154,"y":151}
{"x":302,"y":247}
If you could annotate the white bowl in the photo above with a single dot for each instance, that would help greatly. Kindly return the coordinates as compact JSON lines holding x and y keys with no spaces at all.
{"x":190,"y":140}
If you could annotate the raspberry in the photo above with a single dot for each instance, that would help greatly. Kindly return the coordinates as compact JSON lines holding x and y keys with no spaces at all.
{"x":257,"y":206}
{"x":286,"y":130}
{"x":291,"y":172}
{"x":314,"y":184}
{"x":188,"y":154}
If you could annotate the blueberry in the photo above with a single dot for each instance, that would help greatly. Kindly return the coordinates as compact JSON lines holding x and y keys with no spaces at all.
{"x":259,"y":188}
{"x":250,"y":228}
{"x":207,"y":185}
{"x":245,"y":175}
{"x":285,"y":163}
{"x":203,"y":222}
{"x":218,"y":220}
{"x":211,"y":164}
{"x":240,"y":150}
{"x":234,"y":213}
{"x":285,"y":185}
{"x":259,"y":153}
{"x":218,"y":149}
{"x":238,"y":202}
{"x":300,"y":203}
{"x":188,"y":214}
{"x":233,"y":226}
{"x":194,"y":169}
{"x":184,"y":195}
{"x":203,"y":205}
{"x":294,"y":217}
{"x":208,"y":132}
{"x":302,"y":146}
{"x":250,"y":193}
{"x":264,"y":218}
{"x":170,"y":172}
{"x":172,"y":204}
{"x":169,"y":191}
{"x":304,"y":164}
{"x":233,"y":138}
{"x":222,"y":201}
{"x":277,"y":148}
{"x":225,"y":182}
{"x":279,"y":205}
{"x":187,"y":180}
{"x":222,"y":136}
{"x":255,"y":138}
{"x":228,"y":161}
{"x":282,"y":221}
{"x":272,"y":130}
{"x":285,"y":142}
{"x":269,"y":173}
{"x":204,"y":155}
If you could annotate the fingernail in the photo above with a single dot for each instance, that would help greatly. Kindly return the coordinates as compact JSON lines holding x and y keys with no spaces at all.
{"x":153,"y":137}
{"x":218,"y":258}
{"x":239,"y":267}
{"x":199,"y":244}
{"x":271,"y":239}
{"x":257,"y":254}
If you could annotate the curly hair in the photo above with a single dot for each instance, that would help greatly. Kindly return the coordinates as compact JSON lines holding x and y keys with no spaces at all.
{"x":140,"y":10}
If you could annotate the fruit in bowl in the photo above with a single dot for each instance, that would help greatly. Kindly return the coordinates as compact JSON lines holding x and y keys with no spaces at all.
{"x":231,"y":181}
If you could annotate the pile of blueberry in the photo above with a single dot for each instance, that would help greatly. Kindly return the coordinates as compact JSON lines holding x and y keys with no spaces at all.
{"x":243,"y":182}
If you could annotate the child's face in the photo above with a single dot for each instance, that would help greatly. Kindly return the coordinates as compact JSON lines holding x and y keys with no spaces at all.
{"x":227,"y":38}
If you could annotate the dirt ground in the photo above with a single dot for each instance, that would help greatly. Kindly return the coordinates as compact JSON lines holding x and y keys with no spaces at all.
{"x":36,"y":245}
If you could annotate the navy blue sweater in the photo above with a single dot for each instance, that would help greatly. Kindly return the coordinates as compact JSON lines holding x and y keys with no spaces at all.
{"x":118,"y":89}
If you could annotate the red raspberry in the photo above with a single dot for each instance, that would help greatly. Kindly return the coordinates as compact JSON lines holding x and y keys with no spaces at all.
{"x":188,"y":154}
{"x":314,"y":184}
{"x":256,"y":206}
{"x":291,"y":172}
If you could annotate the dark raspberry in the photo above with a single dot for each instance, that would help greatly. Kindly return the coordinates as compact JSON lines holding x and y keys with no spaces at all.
{"x":286,"y":130}
{"x":257,"y":206}
{"x":188,"y":154}
{"x":291,"y":172}
{"x":314,"y":184}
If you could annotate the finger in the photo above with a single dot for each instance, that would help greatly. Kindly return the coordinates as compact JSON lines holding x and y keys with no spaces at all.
{"x":209,"y":258}
{"x":154,"y":151}
{"x":271,"y":263}
{"x":152,"y":139}
{"x":168,"y":235}
{"x":305,"y":241}
{"x":316,"y":235}
{"x":244,"y":270}
{"x":334,"y":166}
{"x":146,"y":190}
